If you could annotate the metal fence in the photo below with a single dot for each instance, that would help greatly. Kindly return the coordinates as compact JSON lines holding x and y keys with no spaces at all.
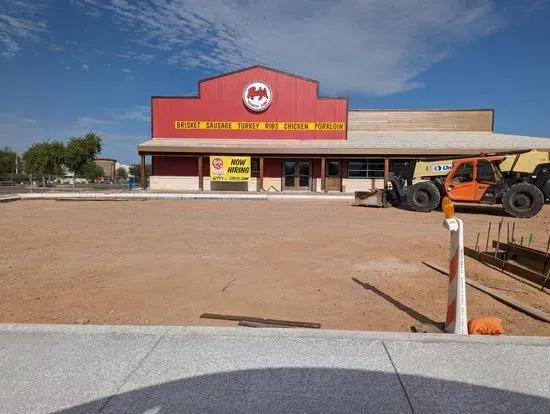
{"x":17,"y":184}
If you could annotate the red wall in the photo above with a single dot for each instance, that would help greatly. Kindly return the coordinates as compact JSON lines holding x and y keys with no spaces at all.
{"x":188,"y":166}
{"x":272,"y":167}
{"x":176,"y":166}
{"x":316,"y":168}
{"x":220,"y":99}
{"x":344,"y":165}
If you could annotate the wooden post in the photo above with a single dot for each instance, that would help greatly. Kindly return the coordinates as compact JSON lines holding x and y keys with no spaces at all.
{"x":142,"y":173}
{"x":323,"y":175}
{"x":201,"y":179}
{"x":261,"y":178}
{"x":386,"y":171}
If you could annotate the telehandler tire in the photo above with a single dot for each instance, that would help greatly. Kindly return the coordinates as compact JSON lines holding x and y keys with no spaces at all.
{"x":523,"y":200}
{"x":423,"y":196}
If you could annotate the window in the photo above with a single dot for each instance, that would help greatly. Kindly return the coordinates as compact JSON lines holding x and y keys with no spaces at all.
{"x":333,"y":168}
{"x":485,"y":171}
{"x":464,"y":173}
{"x":366,"y":168}
{"x":255,"y":165}
{"x":399,"y":164}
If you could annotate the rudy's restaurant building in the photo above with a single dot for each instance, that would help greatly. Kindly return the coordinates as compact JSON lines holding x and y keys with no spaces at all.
{"x":260,"y":129}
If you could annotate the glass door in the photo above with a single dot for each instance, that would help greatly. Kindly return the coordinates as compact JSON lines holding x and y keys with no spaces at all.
{"x":297,"y":175}
{"x":304,"y":173}
{"x":289,"y":181}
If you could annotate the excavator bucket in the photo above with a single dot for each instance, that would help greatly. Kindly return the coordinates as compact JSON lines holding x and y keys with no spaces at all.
{"x":374,"y":197}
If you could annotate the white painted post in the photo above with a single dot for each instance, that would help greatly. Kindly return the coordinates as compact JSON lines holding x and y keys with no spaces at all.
{"x":456,"y":320}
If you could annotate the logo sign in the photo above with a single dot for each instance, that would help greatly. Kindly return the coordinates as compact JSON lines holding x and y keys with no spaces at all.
{"x":232,"y":169}
{"x":217,"y":166}
{"x":257,"y":96}
{"x":442,"y":167}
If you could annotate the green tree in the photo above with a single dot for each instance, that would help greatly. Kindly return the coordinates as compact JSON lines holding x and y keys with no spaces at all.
{"x":135,"y":170}
{"x":81,"y":151}
{"x":44,"y":159}
{"x":91,"y":171}
{"x":7,"y":163}
{"x":121,"y":174}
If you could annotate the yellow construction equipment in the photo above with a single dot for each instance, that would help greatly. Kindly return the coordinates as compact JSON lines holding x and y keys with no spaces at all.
{"x":522,"y":186}
{"x":522,"y":164}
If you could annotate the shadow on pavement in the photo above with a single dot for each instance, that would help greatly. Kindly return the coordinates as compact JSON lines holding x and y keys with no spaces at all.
{"x":402,"y":307}
{"x":488,"y":210}
{"x":313,"y":390}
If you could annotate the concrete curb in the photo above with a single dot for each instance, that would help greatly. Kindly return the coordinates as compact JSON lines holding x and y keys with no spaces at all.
{"x":181,"y":196}
{"x":8,"y":199}
{"x":277,"y":332}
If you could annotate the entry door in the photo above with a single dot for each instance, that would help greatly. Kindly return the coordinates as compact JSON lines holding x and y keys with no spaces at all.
{"x":462,"y":186}
{"x":485,"y":178}
{"x":297,"y":174}
{"x":333,"y":177}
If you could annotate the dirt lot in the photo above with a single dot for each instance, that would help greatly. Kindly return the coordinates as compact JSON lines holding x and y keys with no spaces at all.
{"x":166,"y":262}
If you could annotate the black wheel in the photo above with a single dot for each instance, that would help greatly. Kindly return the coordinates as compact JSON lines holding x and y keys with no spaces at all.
{"x":523,"y":200}
{"x":423,"y":197}
{"x":392,"y":200}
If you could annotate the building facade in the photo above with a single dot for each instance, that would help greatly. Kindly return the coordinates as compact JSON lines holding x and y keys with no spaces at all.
{"x":300,"y":141}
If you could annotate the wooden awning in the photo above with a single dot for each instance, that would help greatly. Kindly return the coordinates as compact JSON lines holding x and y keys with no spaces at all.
{"x":357,"y":144}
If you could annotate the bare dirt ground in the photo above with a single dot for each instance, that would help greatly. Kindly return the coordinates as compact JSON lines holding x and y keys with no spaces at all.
{"x":167,"y":262}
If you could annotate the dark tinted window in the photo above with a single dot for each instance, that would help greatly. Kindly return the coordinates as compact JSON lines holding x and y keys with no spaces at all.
{"x":485,"y":171}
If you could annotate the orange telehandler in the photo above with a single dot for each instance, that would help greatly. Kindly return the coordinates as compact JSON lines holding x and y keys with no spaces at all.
{"x":474,"y":180}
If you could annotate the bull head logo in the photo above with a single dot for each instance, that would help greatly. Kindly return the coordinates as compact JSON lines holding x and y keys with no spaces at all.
{"x":257,"y":96}
{"x":259,"y":93}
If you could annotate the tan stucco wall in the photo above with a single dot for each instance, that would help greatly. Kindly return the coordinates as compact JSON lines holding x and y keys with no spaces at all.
{"x":361,"y":184}
{"x":171,"y":183}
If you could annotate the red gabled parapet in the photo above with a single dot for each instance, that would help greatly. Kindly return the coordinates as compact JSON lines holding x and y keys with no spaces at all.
{"x":234,"y":106}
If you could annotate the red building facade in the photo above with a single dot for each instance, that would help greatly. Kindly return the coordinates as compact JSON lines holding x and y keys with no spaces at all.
{"x":297,"y":139}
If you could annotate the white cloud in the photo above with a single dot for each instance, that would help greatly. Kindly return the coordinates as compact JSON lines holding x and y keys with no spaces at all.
{"x":93,"y":13}
{"x":116,"y":144}
{"x":85,"y":66}
{"x":67,"y":67}
{"x":126,"y":70}
{"x":366,"y":46}
{"x":13,"y":118}
{"x":139,"y":57}
{"x":56,"y":48}
{"x":139,"y":113}
{"x":20,"y":21}
{"x":91,"y":122}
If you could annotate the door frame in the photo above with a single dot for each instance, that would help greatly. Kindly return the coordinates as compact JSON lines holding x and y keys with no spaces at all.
{"x":481,"y":186}
{"x":338,"y":177}
{"x":296,"y":186}
{"x":466,"y":190}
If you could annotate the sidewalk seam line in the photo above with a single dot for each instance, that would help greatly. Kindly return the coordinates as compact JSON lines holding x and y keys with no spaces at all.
{"x":398,"y":377}
{"x":133,"y":370}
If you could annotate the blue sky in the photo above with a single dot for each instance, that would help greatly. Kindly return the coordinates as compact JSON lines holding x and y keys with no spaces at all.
{"x":69,"y":66}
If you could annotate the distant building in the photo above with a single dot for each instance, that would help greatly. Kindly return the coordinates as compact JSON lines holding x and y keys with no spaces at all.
{"x":108,"y":165}
{"x":125,"y":166}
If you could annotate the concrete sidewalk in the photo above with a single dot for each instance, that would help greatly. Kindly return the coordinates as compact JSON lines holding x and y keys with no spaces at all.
{"x":145,"y":195}
{"x":91,"y":369}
